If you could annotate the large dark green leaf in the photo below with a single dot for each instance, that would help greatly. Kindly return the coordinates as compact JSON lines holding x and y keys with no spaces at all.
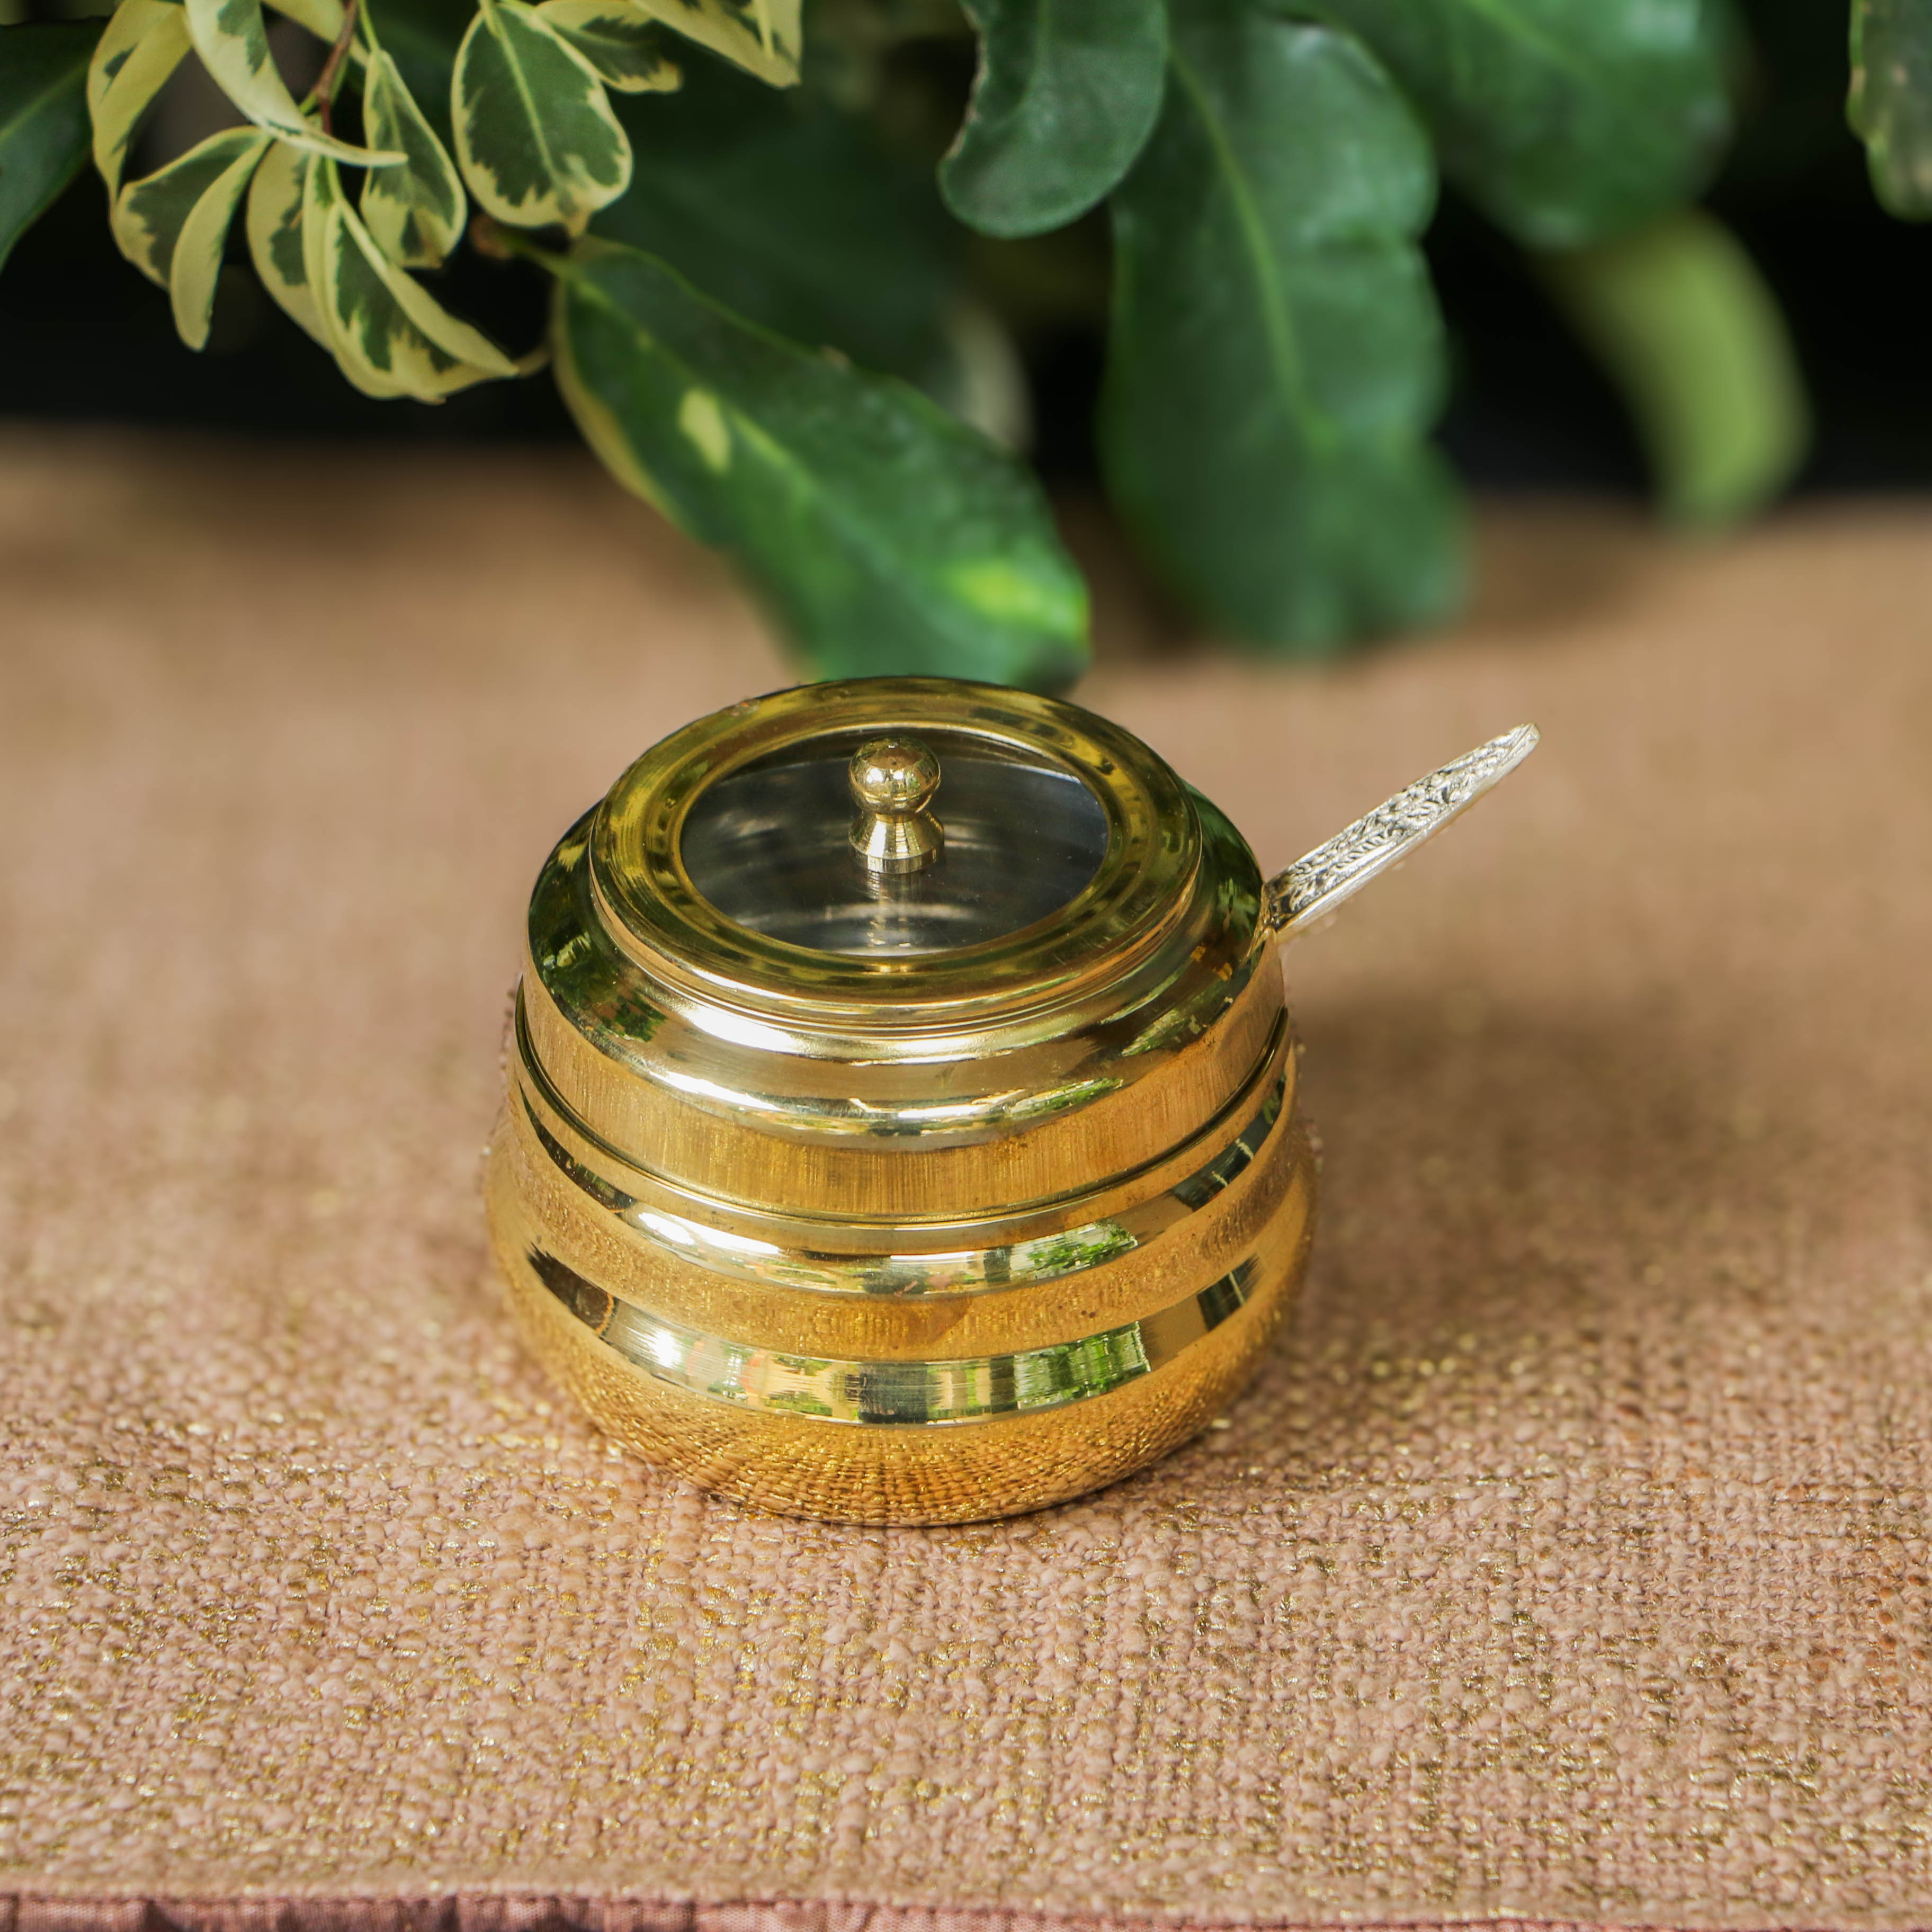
{"x":44,"y":128}
{"x":1565,"y":120}
{"x":1067,"y":95}
{"x":1891,"y":104}
{"x":887,"y":537}
{"x":1276,"y":354}
{"x":792,"y":214}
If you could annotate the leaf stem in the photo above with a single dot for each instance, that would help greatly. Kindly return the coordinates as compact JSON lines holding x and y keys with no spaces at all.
{"x":331,"y":68}
{"x":489,"y":237}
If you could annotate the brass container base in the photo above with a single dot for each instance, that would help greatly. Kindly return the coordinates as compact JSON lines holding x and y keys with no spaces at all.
{"x":1000,"y":1434}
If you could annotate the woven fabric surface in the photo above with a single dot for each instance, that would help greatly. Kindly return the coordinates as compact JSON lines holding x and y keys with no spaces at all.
{"x":1568,"y":1561}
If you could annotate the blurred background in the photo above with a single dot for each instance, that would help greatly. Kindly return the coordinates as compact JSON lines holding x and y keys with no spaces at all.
{"x":84,"y":337}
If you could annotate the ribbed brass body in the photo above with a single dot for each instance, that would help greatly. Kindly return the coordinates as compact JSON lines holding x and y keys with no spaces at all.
{"x":923,"y":1237}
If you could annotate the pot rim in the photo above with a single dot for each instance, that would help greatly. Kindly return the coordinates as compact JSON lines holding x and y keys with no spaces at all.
{"x":1141,"y":888}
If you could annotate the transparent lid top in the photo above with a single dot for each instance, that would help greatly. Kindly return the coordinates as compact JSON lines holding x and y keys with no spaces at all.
{"x":891,"y":843}
{"x":916,"y":842}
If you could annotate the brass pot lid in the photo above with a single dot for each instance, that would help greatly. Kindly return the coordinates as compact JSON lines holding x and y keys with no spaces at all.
{"x":906,"y":848}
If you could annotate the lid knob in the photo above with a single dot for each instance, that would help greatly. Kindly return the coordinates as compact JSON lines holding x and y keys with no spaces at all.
{"x":893,"y":781}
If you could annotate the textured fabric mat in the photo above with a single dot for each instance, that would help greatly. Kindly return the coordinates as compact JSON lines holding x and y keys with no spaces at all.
{"x":1568,"y":1561}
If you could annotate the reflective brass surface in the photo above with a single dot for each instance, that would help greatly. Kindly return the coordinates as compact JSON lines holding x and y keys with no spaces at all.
{"x":1006,"y":1283}
{"x":1145,"y":883}
{"x":894,"y":831}
{"x":941,"y":1438}
{"x":923,"y":1195}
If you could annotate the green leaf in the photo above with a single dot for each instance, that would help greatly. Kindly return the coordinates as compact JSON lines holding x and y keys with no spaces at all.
{"x":795,"y":216}
{"x":422,"y":36}
{"x":535,"y":132}
{"x":762,"y":37}
{"x":276,"y":200}
{"x":172,"y":225}
{"x":1684,"y":324}
{"x":622,"y":41}
{"x":1276,"y":355}
{"x":142,"y":43}
{"x":415,"y":212}
{"x":1890,"y":107}
{"x":888,"y":537}
{"x":391,"y":336}
{"x":44,"y":132}
{"x":1067,"y":95}
{"x":1563,"y":120}
{"x":232,"y":40}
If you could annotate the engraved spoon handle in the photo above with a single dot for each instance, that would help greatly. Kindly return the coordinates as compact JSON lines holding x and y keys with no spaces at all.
{"x":1317,"y":883}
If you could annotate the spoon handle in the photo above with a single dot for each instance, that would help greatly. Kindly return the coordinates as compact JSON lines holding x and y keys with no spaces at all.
{"x":1318,"y":882}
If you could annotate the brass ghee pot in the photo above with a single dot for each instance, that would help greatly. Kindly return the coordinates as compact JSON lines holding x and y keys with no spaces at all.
{"x":901,"y":1122}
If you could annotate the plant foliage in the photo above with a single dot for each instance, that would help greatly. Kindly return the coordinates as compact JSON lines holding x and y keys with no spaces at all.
{"x":1890,"y":105}
{"x":43,"y":126}
{"x":759,"y":229}
{"x":1276,"y":356}
{"x":1676,"y":311}
{"x":1565,"y":122}
{"x":1068,"y":90}
{"x":858,"y":509}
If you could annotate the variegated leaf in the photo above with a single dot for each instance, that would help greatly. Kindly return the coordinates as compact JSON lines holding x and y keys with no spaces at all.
{"x":1890,"y":104}
{"x":535,"y":133}
{"x":415,"y":212}
{"x":619,"y":39}
{"x":275,"y":203}
{"x":232,"y":40}
{"x":390,"y":335}
{"x":322,"y":199}
{"x":196,"y":267}
{"x":763,"y":37}
{"x":890,"y":537}
{"x":322,"y":18}
{"x":142,"y":44}
{"x":421,"y":36}
{"x":173,"y":224}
